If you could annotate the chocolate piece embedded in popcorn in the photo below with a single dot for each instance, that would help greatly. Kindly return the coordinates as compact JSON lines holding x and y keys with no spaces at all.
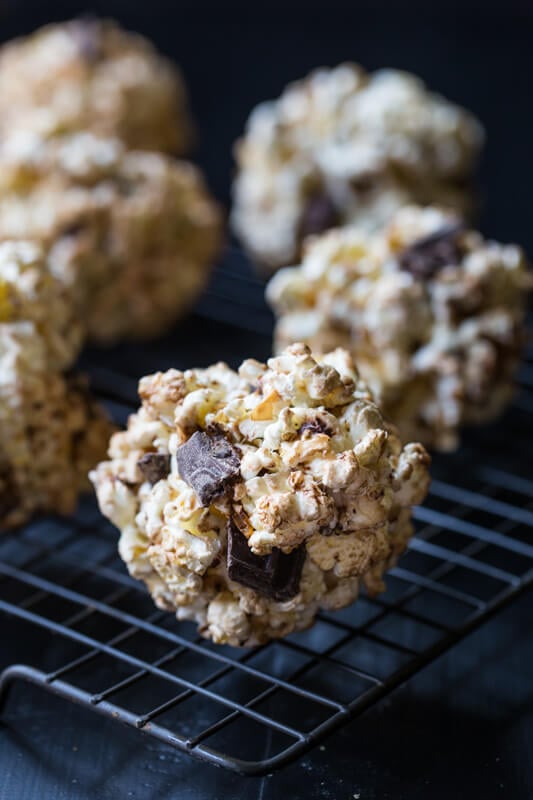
{"x":432,"y":313}
{"x":341,"y":147}
{"x":208,"y":463}
{"x":90,"y":75}
{"x":276,"y":575}
{"x":424,"y":257}
{"x":318,"y":215}
{"x":154,"y":466}
{"x":308,"y":500}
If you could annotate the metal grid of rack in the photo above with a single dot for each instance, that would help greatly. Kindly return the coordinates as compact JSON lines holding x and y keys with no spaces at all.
{"x":254,"y":710}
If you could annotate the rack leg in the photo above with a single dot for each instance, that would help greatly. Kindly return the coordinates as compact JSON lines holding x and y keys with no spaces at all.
{"x":18,"y":672}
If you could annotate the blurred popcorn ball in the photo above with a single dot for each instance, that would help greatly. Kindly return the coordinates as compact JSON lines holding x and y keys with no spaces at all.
{"x":90,"y":75}
{"x":132,"y":234}
{"x":344,"y":146}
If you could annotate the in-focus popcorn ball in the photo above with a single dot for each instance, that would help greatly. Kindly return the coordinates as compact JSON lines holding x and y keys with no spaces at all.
{"x":90,"y":75}
{"x":432,"y":313}
{"x":132,"y":234}
{"x":343,"y":146}
{"x":247,"y":501}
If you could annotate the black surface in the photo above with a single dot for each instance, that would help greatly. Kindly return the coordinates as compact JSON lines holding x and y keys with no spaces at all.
{"x":464,"y":727}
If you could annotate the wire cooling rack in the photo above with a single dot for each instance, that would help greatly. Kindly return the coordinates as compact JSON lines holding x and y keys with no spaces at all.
{"x":252,"y":711}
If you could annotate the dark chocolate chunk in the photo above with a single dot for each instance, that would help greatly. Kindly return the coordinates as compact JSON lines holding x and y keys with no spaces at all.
{"x":315,"y":426}
{"x":87,"y":33}
{"x":208,"y":462}
{"x":425,"y":257}
{"x":276,"y":576}
{"x":154,"y":466}
{"x":319,"y":214}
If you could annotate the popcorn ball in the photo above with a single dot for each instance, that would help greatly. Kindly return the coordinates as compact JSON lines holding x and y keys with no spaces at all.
{"x":35,"y":305}
{"x":131,"y":234}
{"x":344,"y":146}
{"x":248,"y":501}
{"x":52,"y":432}
{"x":90,"y":75}
{"x":432,"y":313}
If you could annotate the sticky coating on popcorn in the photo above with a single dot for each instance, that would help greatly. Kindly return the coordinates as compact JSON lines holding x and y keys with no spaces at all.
{"x":247,"y":501}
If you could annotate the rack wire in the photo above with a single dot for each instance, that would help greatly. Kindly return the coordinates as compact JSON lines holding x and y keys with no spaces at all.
{"x":254,"y":710}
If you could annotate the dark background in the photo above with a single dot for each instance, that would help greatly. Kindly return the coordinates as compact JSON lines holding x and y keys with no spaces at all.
{"x":236,"y":53}
{"x":464,"y":727}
